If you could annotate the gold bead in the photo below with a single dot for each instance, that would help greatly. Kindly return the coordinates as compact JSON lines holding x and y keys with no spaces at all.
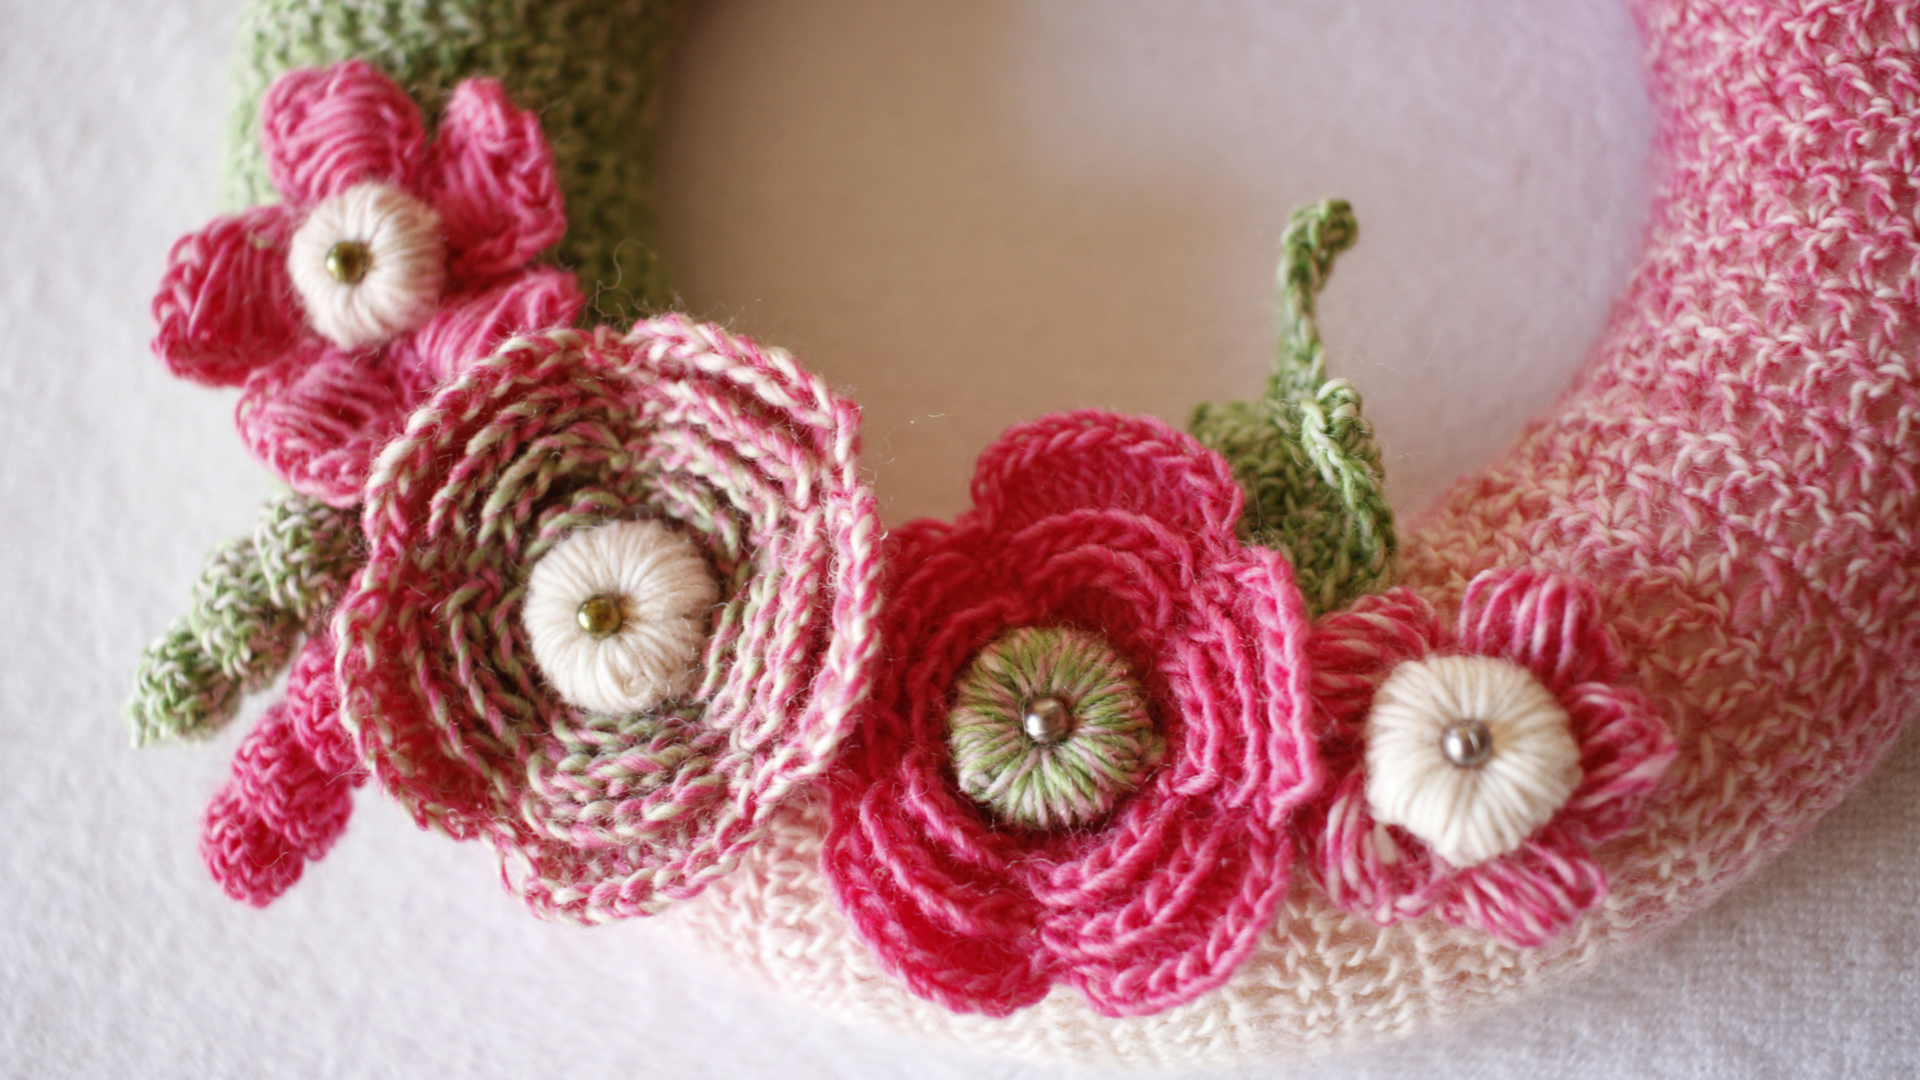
{"x":600,"y":616}
{"x":348,"y":261}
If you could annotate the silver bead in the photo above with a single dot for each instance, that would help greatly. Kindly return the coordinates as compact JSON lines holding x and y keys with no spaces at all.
{"x":1047,"y":720}
{"x":1467,"y":743}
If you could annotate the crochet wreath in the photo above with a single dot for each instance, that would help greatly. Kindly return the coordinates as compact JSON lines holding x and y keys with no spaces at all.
{"x":618,"y":603}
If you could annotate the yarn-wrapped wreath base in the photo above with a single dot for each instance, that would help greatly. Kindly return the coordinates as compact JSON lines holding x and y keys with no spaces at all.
{"x":736,"y":449}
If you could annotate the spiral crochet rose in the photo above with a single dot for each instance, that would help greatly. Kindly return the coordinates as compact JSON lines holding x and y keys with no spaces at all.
{"x":694,"y":506}
{"x":1096,"y":580}
{"x":391,"y":263}
{"x":1459,"y":736}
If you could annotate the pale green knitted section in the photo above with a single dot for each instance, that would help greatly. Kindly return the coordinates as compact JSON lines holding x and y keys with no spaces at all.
{"x":254,"y":600}
{"x":1304,"y":453}
{"x":592,"y":69}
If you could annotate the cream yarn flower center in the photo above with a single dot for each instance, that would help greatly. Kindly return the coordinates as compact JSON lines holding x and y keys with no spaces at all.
{"x":369,"y":264}
{"x":664,"y":594}
{"x":1468,"y":806}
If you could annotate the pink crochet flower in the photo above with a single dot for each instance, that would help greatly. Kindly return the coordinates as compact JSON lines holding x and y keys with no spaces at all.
{"x":390,"y":264}
{"x":1548,"y":630}
{"x":1113,"y":537}
{"x":672,"y":475}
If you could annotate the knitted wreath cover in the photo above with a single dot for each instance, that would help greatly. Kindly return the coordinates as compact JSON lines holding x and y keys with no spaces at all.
{"x":1161,"y":753}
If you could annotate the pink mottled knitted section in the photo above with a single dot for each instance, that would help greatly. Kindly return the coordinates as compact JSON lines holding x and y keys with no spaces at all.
{"x":291,"y":791}
{"x":1737,"y":473}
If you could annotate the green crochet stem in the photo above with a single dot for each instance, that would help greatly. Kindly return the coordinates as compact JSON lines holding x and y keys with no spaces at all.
{"x":254,"y":600}
{"x":1304,"y":453}
{"x":592,"y":69}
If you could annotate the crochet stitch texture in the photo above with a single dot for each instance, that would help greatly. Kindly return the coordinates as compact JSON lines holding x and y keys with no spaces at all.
{"x":1736,"y":473}
{"x":1109,"y":525}
{"x":1546,"y":625}
{"x":591,"y":70}
{"x":754,"y":460}
{"x":313,"y":407}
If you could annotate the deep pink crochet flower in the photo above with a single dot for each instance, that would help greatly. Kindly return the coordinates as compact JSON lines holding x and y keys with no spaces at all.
{"x":1114,"y":537}
{"x":1527,"y":631}
{"x":389,"y":264}
{"x":672,"y":473}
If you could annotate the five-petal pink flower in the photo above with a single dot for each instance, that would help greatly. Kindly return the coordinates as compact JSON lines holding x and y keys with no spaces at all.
{"x":1546,"y":624}
{"x":316,"y":406}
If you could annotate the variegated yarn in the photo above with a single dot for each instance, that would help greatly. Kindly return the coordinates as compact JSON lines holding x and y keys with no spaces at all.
{"x":255,"y":599}
{"x":733,"y":448}
{"x":590,"y":69}
{"x":1706,"y":554}
{"x":1736,"y":471}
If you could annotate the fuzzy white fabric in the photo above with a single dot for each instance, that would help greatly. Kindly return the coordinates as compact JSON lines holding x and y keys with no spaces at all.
{"x":665,"y":592}
{"x":406,"y":264}
{"x":1468,"y":814}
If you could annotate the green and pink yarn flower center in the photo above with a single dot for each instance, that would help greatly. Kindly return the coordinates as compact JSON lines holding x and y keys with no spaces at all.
{"x":1049,"y":729}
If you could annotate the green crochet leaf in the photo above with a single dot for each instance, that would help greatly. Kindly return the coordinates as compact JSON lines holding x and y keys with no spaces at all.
{"x":592,"y":70}
{"x":254,"y":600}
{"x":1304,"y":453}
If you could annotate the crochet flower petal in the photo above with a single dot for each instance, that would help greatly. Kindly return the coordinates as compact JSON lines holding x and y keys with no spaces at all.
{"x":1550,"y":624}
{"x":1185,"y":926}
{"x":468,"y":327}
{"x":316,"y":418}
{"x":951,"y":932}
{"x":1527,"y":897}
{"x":1351,"y":647}
{"x":491,"y":175}
{"x":1625,"y":749}
{"x":326,"y":129}
{"x":225,"y":305}
{"x":1362,"y":865}
{"x":1100,"y":460}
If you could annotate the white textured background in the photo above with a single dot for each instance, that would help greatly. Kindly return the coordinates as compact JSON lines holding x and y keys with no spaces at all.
{"x":968,"y":214}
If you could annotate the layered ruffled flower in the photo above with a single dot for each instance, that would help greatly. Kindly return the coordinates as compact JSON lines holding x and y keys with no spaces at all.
{"x":1088,"y":732}
{"x":1477,"y":766}
{"x":619,"y":604}
{"x":390,"y":263}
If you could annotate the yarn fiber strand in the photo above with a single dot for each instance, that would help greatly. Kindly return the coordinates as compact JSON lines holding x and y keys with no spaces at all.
{"x":1304,"y":453}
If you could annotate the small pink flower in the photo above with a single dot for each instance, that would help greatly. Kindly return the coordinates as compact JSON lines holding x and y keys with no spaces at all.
{"x":1005,"y":820}
{"x":390,"y":264}
{"x":1503,"y":750}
